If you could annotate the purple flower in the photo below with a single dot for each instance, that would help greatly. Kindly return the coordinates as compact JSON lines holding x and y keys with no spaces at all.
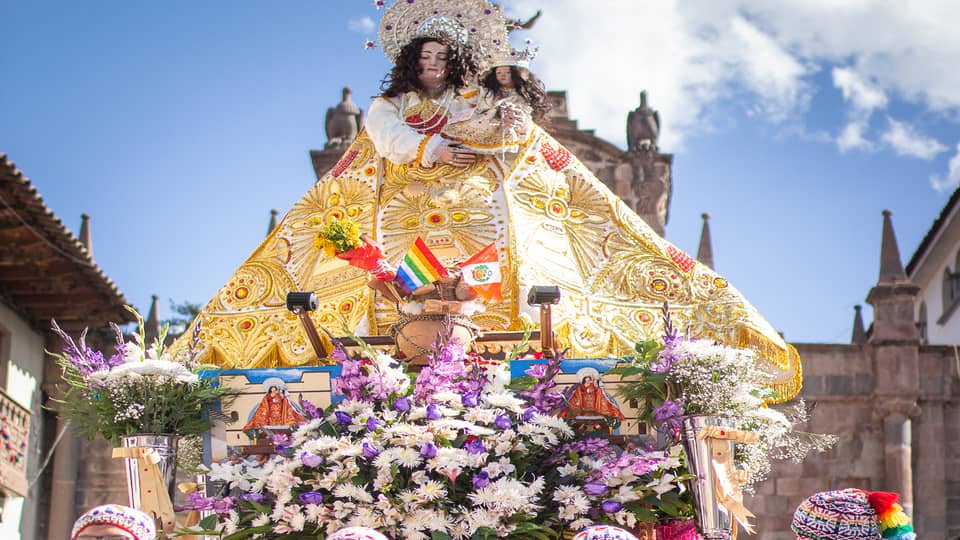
{"x":433,"y":412}
{"x":343,"y":418}
{"x":224,"y":505}
{"x":480,"y":480}
{"x":503,"y":422}
{"x":373,"y":424}
{"x":311,"y":497}
{"x":401,"y":404}
{"x":252,"y":497}
{"x":311,"y":460}
{"x":474,"y":445}
{"x":470,"y":399}
{"x":611,"y":506}
{"x":199,"y":502}
{"x":280,"y":439}
{"x":428,"y":450}
{"x":670,"y":412}
{"x":530,"y":413}
{"x":309,"y":409}
{"x":370,"y":450}
{"x":536,"y":371}
{"x":595,"y":489}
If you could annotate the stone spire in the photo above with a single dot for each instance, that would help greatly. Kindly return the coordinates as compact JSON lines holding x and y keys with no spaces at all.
{"x":705,"y":251}
{"x":152,"y":326}
{"x":85,"y":237}
{"x":894,"y":296}
{"x":859,"y":333}
{"x":891,"y":269}
{"x":273,"y":221}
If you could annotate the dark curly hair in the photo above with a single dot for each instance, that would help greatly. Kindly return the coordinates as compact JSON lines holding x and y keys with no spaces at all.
{"x":403,"y":77}
{"x":528,"y":85}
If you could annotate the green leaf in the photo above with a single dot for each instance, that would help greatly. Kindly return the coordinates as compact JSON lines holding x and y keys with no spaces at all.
{"x":209,"y":523}
{"x":439,"y":535}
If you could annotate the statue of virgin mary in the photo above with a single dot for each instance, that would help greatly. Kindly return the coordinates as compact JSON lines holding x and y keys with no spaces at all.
{"x":428,"y":165}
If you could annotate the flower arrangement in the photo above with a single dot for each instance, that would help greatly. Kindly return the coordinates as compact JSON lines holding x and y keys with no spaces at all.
{"x":676,"y":377}
{"x":452,"y":452}
{"x":137,"y":389}
{"x":341,"y":238}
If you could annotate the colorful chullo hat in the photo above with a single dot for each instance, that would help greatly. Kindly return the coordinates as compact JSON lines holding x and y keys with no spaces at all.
{"x":135,"y":522}
{"x":852,"y":514}
{"x":604,"y":532}
{"x":357,"y":533}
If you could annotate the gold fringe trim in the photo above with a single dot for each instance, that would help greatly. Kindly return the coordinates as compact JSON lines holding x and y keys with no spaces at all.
{"x":786,"y":360}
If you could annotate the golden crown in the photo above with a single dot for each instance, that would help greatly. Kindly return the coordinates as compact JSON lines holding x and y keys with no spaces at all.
{"x":474,"y":23}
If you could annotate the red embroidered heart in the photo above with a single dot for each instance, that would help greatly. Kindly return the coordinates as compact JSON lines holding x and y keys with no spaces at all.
{"x":684,"y":261}
{"x":344,"y":162}
{"x":557,"y":158}
{"x":426,"y":127}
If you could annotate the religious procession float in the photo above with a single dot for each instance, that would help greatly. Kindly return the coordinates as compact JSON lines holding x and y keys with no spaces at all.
{"x":458,"y":333}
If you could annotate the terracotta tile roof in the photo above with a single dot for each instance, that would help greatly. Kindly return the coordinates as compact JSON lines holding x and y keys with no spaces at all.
{"x":45,"y":271}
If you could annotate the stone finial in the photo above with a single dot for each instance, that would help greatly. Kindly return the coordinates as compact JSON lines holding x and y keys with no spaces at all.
{"x":273,"y":221}
{"x":343,"y":122}
{"x":152,"y":326}
{"x":705,"y":251}
{"x":643,"y":127}
{"x":859,"y":333}
{"x":894,"y":297}
{"x":85,"y":236}
{"x":891,"y":268}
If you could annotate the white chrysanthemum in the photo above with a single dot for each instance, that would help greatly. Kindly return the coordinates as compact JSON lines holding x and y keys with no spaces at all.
{"x":365,"y":517}
{"x":505,"y":400}
{"x":558,"y":425}
{"x":500,"y":467}
{"x":408,"y":457}
{"x":581,"y":523}
{"x":567,"y":470}
{"x":431,"y":490}
{"x":354,"y":492}
{"x":480,"y":415}
{"x":343,"y":510}
{"x":453,"y":426}
{"x":260,"y":520}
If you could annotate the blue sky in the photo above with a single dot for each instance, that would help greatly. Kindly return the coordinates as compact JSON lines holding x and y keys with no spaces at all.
{"x":178,"y":125}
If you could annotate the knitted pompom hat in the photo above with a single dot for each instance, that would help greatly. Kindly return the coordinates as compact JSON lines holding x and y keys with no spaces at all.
{"x":604,"y":532}
{"x":851,"y":514}
{"x":357,"y":533}
{"x":135,"y":522}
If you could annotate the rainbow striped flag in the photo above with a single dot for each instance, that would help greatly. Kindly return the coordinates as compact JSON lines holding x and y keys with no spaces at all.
{"x":420,"y":267}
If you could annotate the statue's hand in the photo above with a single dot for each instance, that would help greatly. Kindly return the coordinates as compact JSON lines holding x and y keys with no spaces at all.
{"x":453,"y":154}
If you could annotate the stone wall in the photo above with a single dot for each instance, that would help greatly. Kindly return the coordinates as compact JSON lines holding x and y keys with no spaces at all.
{"x":840,"y":383}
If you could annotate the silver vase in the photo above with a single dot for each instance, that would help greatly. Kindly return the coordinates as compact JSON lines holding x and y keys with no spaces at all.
{"x":166,"y":447}
{"x":714,"y":521}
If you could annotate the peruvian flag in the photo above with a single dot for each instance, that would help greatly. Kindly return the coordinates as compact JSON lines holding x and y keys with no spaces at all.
{"x":482,"y":273}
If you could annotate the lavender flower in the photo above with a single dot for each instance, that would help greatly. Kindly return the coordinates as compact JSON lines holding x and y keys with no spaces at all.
{"x":470,"y":399}
{"x":343,"y":418}
{"x":433,"y":412}
{"x":610,"y":506}
{"x":224,"y":505}
{"x":311,"y":460}
{"x":372,"y":423}
{"x":542,"y":395}
{"x":311,"y":497}
{"x":428,"y":450}
{"x":529,"y":413}
{"x":474,"y":445}
{"x":595,"y":489}
{"x":370,"y":450}
{"x":252,"y":497}
{"x":310,"y":410}
{"x":503,"y":422}
{"x":670,"y":412}
{"x":401,"y":404}
{"x":480,"y":480}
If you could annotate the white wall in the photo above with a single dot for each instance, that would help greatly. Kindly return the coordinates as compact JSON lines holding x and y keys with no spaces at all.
{"x":931,"y":292}
{"x":23,"y":354}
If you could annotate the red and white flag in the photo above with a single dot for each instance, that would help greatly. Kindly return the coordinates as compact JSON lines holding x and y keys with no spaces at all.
{"x":482,"y":273}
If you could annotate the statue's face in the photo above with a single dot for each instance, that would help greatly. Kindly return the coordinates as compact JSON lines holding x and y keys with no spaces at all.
{"x":503,"y":76}
{"x":433,"y":64}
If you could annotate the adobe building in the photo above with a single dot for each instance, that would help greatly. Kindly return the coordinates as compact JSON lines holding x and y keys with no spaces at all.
{"x":45,"y":273}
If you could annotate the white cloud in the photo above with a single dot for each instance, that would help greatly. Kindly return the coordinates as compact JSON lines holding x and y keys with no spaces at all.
{"x":863,"y":95}
{"x":690,"y":56}
{"x":905,"y":141}
{"x":363,"y":25}
{"x":952,"y":179}
{"x":851,"y":138}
